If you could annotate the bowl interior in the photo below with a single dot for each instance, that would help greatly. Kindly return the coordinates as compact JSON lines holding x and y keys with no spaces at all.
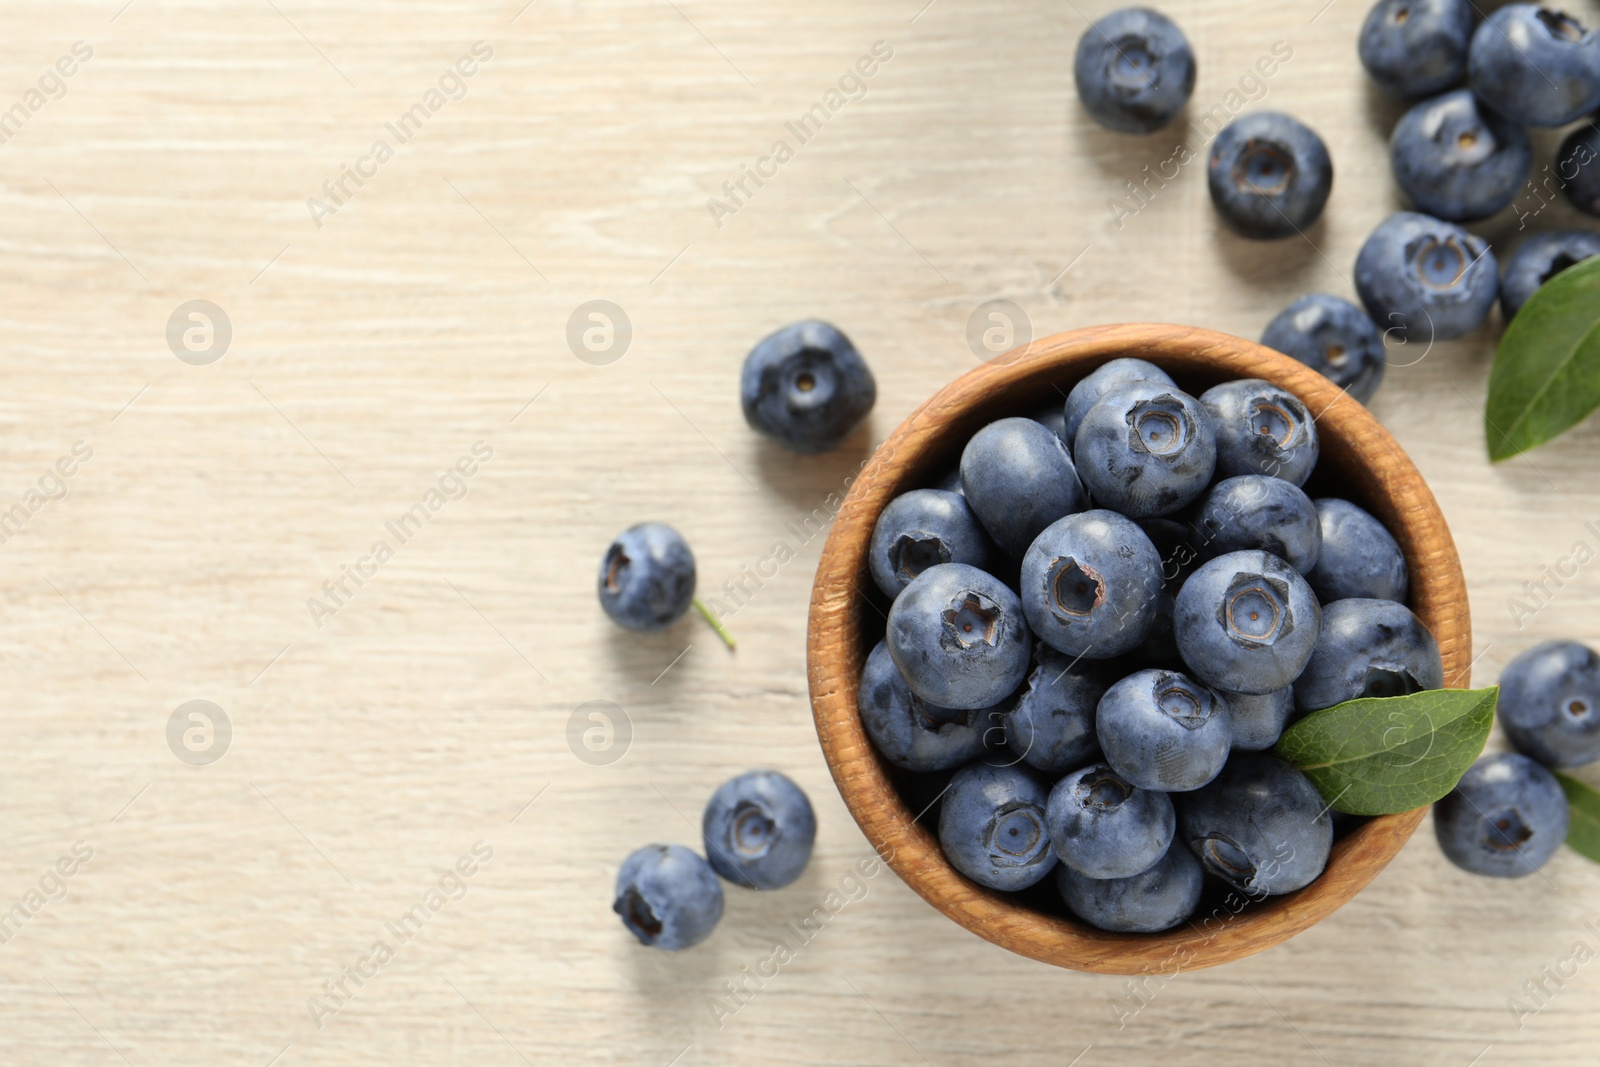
{"x":1359,"y":461}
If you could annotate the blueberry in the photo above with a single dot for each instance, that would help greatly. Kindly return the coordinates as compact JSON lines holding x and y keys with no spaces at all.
{"x":1360,"y":557}
{"x":1540,"y":258}
{"x":1258,"y":511}
{"x":1246,"y":622}
{"x":1051,"y":726}
{"x":1134,"y":70}
{"x":992,"y":826}
{"x":1415,"y":48}
{"x":1331,"y":335}
{"x":1105,"y":827}
{"x":647,"y":577}
{"x":1456,"y":160}
{"x":1269,"y":175}
{"x":907,"y":730}
{"x":807,"y":387}
{"x":1418,"y":275}
{"x":1146,"y":449}
{"x":1100,"y":381}
{"x":1145,"y":903}
{"x":1578,"y":167}
{"x":1161,"y":730}
{"x":922,"y":529}
{"x":1368,"y":648}
{"x":1018,"y":479}
{"x":1536,"y":65}
{"x":1550,"y":703}
{"x":1260,"y":826}
{"x":668,"y":896}
{"x":1261,"y":429}
{"x":1505,"y":818}
{"x":958,"y":636}
{"x":758,"y":830}
{"x":1258,"y":719}
{"x":1090,"y":585}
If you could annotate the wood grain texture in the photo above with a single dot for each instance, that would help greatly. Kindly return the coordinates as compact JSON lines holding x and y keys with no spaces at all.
{"x":369,"y":354}
{"x":1358,"y":456}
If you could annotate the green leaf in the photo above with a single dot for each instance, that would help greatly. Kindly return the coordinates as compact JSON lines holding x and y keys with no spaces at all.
{"x":1546,"y":375}
{"x":1382,"y":755}
{"x":1583,"y":834}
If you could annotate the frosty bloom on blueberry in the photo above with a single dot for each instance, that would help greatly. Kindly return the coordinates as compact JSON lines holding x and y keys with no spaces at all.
{"x":1145,"y":449}
{"x":758,"y":829}
{"x":1247,"y":622}
{"x":908,"y":731}
{"x":992,"y":826}
{"x":1457,"y":160}
{"x":957,"y":635}
{"x":1091,"y":585}
{"x":1261,"y":429}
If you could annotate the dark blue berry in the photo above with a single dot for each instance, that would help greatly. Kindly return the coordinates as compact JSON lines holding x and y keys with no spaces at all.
{"x":1018,"y":478}
{"x":921,"y":529}
{"x":992,"y":826}
{"x":1359,"y":558}
{"x":807,"y":387}
{"x":1260,"y":826}
{"x":1549,"y":703}
{"x":1103,"y":826}
{"x":1368,"y":648}
{"x":1145,"y":903}
{"x":958,"y":636}
{"x":1540,"y":258}
{"x":1261,"y":429}
{"x":668,"y":897}
{"x":1162,"y":730}
{"x":1458,"y":160}
{"x":908,"y":731}
{"x":758,"y":830}
{"x":647,"y":577}
{"x":1415,"y":48}
{"x":1331,"y":335}
{"x":1424,"y":278}
{"x":1536,"y":65}
{"x":1090,"y":585}
{"x":1269,"y":175}
{"x":1505,"y":818}
{"x":1134,"y":70}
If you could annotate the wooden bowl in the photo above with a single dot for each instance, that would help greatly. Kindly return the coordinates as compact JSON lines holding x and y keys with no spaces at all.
{"x":1359,"y":460}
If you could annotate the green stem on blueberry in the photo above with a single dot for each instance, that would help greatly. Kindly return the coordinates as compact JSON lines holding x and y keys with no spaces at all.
{"x":712,"y":620}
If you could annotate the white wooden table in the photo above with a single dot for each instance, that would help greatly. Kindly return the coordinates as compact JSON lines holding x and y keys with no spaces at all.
{"x":424,"y":712}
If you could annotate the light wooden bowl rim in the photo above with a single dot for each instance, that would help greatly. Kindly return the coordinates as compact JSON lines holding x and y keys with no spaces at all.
{"x":1381,"y":477}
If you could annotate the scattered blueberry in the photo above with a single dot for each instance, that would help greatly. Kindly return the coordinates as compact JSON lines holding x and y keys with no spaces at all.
{"x":907,"y":730}
{"x":1105,"y":827}
{"x":1331,"y":335}
{"x":1260,"y":826}
{"x":1145,"y":449}
{"x":1424,"y":277}
{"x":992,"y":826}
{"x":1550,"y":703}
{"x":1261,"y":512}
{"x":1247,"y":622}
{"x":807,"y":387}
{"x":1368,"y":648}
{"x":1051,"y":726}
{"x":1145,"y":903}
{"x":1258,"y":718}
{"x":1536,"y":65}
{"x":1456,"y":160}
{"x":1261,"y":429}
{"x":1269,"y":175}
{"x":1415,"y":48}
{"x":1360,"y":557}
{"x":1161,"y":730}
{"x":1090,"y":585}
{"x":1578,"y":167}
{"x":758,"y":830}
{"x":922,"y":529}
{"x":958,"y":636}
{"x":647,"y":577}
{"x":1540,"y":258}
{"x":1505,"y":818}
{"x":1134,"y":70}
{"x":1018,"y":478}
{"x":1100,"y":381}
{"x":668,"y":896}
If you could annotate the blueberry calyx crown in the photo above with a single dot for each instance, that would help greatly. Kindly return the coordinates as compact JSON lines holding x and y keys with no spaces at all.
{"x":752,"y":830}
{"x":1255,"y":610}
{"x":1159,"y":426}
{"x":1508,"y":831}
{"x":1441,"y":264}
{"x":912,"y":554}
{"x":1076,"y":588}
{"x":1225,"y":859}
{"x":1017,"y":835}
{"x":1180,"y":703}
{"x":617,"y":564}
{"x":1102,"y":790}
{"x":1560,"y":25}
{"x":1382,"y":681}
{"x":1276,"y":422}
{"x":1263,"y":168}
{"x":972,"y":620}
{"x":637,"y":915}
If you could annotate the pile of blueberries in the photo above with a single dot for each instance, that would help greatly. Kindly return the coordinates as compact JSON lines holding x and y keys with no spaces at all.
{"x":1101,"y":622}
{"x":1460,"y":154}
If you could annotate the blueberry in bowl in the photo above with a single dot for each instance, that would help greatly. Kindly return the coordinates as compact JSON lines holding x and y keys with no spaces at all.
{"x":1127,"y":927}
